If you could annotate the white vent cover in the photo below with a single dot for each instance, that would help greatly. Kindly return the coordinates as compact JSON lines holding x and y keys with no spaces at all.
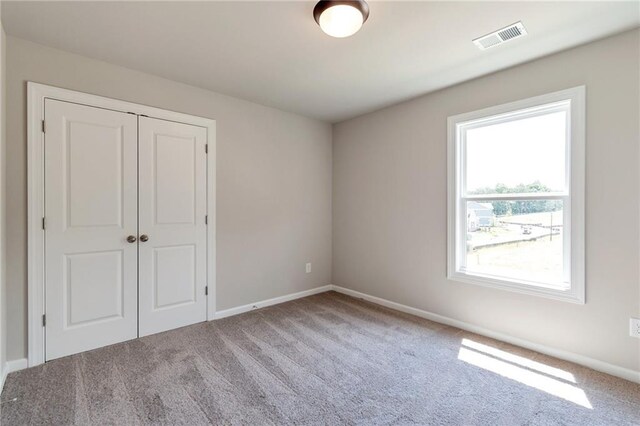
{"x":501,"y":36}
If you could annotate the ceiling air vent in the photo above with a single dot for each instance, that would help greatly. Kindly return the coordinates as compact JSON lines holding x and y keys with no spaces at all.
{"x":501,"y":36}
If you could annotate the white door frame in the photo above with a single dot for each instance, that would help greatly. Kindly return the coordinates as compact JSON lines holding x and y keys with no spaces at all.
{"x":36,"y":95}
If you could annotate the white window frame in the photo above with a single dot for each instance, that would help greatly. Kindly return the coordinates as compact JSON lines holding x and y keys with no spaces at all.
{"x":573,"y":101}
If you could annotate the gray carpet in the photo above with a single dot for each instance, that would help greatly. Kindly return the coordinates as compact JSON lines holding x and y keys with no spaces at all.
{"x":327,"y":359}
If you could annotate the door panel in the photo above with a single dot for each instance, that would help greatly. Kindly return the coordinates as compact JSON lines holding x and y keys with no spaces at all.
{"x":174,"y":179}
{"x":174,"y":278}
{"x":94,"y":287}
{"x":94,"y":155}
{"x":172,"y":209}
{"x":90,"y":207}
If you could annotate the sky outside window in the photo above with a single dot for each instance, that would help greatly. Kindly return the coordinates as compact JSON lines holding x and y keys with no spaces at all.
{"x":534,"y":148}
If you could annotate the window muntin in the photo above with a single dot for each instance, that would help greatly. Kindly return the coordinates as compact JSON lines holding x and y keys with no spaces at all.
{"x":511,"y":197}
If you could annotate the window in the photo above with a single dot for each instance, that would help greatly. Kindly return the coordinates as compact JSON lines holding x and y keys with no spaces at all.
{"x":516,"y":196}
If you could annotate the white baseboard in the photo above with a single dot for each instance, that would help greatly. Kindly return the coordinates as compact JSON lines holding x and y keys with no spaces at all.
{"x":595,"y":364}
{"x":269,"y":302}
{"x":20,"y":364}
{"x":592,"y":363}
{"x":10,"y":367}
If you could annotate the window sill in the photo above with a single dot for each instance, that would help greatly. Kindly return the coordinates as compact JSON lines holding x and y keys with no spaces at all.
{"x":572,"y":295}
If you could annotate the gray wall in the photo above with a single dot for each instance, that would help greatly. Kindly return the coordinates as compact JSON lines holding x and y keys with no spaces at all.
{"x":3,"y":204}
{"x":390,"y":216}
{"x":273,"y":179}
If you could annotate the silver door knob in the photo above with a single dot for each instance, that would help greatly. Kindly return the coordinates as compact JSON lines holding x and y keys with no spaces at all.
{"x":144,"y":238}
{"x":131,"y":239}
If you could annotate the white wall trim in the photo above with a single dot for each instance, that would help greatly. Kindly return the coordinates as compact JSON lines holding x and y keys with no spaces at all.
{"x":614,"y":370}
{"x":270,"y":302}
{"x":10,"y":367}
{"x":36,"y":95}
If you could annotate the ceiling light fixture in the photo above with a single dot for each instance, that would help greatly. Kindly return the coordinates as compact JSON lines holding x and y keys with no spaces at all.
{"x":341,"y":18}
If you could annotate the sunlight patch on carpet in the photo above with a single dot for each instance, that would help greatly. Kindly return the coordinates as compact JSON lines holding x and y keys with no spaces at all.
{"x":534,"y":374}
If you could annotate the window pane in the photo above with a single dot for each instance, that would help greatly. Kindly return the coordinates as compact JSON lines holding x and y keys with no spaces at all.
{"x":516,"y":240}
{"x":522,"y":155}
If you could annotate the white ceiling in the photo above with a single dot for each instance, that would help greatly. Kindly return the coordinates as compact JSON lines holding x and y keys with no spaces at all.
{"x":273,"y":53}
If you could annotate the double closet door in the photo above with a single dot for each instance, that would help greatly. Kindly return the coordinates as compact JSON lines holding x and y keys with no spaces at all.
{"x":125,"y":231}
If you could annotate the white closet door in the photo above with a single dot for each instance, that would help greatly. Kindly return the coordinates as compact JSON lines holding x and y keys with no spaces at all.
{"x":173,"y":237}
{"x":91,"y":208}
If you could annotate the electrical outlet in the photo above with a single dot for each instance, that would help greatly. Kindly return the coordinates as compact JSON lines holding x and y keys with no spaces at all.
{"x":308,"y":268}
{"x":634,"y":327}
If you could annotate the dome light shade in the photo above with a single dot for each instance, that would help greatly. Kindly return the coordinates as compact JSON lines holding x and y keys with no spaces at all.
{"x":341,"y":18}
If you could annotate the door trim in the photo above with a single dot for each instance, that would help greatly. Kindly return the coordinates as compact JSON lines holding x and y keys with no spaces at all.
{"x":36,"y":95}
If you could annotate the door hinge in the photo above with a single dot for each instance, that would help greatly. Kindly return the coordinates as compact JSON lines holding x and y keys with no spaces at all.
{"x":206,"y":148}
{"x":43,"y":127}
{"x":206,"y":219}
{"x":206,"y":291}
{"x":44,"y":224}
{"x":44,"y":320}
